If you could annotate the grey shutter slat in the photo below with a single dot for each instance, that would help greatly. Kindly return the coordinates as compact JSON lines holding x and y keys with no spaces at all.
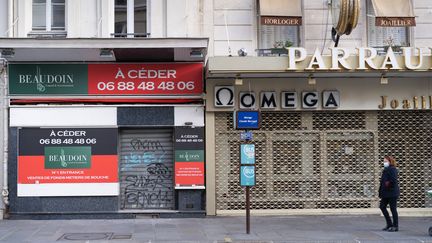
{"x":146,"y":169}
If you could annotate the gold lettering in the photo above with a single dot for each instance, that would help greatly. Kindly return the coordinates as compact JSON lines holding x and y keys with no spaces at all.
{"x":383,"y":102}
{"x":423,"y":100}
{"x":415,"y":102}
{"x":394,"y":104}
{"x":280,"y":21}
{"x":406,"y":104}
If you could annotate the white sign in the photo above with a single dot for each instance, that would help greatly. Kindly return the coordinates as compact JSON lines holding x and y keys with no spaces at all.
{"x":268,"y":100}
{"x":289,"y":100}
{"x":367,"y":59}
{"x":224,"y":96}
{"x":331,"y":99}
{"x":247,"y":100}
{"x":310,"y":100}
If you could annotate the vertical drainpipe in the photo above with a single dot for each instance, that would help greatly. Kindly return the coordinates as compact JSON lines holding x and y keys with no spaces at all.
{"x":4,"y":78}
{"x":3,"y":94}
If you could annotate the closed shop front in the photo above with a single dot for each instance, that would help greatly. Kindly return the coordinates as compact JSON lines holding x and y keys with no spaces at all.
{"x":103,"y":138}
{"x":322,"y":135}
{"x":326,"y":159}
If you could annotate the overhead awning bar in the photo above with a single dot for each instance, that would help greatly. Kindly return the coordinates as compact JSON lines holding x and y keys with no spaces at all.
{"x":394,"y":13}
{"x":280,"y":12}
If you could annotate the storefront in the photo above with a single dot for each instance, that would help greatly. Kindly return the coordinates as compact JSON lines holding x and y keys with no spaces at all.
{"x":326,"y":123}
{"x":111,"y":139}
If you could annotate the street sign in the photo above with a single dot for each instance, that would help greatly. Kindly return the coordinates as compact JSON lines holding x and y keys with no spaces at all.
{"x":246,"y":136}
{"x":247,"y":154}
{"x":247,"y":175}
{"x":247,"y":120}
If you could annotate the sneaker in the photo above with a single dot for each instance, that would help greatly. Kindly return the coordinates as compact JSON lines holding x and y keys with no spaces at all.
{"x":393,"y":229}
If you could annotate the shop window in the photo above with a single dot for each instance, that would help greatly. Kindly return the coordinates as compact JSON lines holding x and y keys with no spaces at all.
{"x":137,"y":28}
{"x":279,"y":24}
{"x":381,"y":37}
{"x":48,"y":15}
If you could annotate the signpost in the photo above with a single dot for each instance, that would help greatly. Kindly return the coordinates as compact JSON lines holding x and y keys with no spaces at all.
{"x":247,"y":175}
{"x":245,"y":120}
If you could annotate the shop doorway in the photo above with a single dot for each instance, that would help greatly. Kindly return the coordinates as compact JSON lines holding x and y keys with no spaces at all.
{"x":146,"y":169}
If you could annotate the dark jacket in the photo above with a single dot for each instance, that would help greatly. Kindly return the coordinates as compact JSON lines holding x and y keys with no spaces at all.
{"x":389,"y":185}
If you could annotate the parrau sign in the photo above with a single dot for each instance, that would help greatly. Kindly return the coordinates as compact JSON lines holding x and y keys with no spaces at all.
{"x":366,"y":59}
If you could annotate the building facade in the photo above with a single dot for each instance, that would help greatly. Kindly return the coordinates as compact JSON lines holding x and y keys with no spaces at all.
{"x":324,"y":128}
{"x":327,"y":116}
{"x":104,"y":109}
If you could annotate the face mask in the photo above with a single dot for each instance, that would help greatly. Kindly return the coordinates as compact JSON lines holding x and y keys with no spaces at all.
{"x":386,"y":164}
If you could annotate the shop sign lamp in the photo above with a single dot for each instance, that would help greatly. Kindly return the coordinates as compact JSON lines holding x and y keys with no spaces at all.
{"x":311,"y":80}
{"x":106,"y":52}
{"x":196,"y":53}
{"x":7,"y":53}
{"x":384,"y":79}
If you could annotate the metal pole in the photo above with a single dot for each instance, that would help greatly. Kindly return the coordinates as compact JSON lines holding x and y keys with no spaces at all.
{"x":247,"y":210}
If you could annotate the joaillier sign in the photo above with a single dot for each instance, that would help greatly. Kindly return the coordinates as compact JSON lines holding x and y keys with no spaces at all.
{"x":106,"y":79}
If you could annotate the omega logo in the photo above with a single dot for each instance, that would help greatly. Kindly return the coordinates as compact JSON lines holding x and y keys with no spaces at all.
{"x":224,"y":95}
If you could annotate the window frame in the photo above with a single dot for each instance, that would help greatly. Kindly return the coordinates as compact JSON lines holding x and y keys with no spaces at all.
{"x":128,"y":33}
{"x":382,"y":48}
{"x":49,"y":17}
{"x":273,"y":51}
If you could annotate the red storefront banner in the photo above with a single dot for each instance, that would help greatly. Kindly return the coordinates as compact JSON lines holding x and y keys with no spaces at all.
{"x":145,"y":79}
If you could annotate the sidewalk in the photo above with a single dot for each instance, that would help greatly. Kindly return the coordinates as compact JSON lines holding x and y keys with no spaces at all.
{"x":343,"y":229}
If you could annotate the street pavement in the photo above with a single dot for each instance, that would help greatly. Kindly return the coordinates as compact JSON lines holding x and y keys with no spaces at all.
{"x":264,"y":229}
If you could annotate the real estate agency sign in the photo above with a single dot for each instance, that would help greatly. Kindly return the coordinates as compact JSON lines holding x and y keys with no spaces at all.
{"x":67,"y":162}
{"x":189,"y":158}
{"x":106,"y":79}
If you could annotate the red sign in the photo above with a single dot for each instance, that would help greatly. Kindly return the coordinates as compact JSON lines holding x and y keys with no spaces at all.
{"x":32,"y":171}
{"x":67,"y":162}
{"x":189,"y":173}
{"x":145,"y":79}
{"x":278,"y":20}
{"x":395,"y":21}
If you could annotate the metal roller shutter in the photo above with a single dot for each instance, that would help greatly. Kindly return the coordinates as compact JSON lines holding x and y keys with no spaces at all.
{"x":326,"y":159}
{"x":146,"y":169}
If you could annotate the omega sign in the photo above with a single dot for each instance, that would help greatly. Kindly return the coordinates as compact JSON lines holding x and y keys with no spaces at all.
{"x":224,"y":95}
